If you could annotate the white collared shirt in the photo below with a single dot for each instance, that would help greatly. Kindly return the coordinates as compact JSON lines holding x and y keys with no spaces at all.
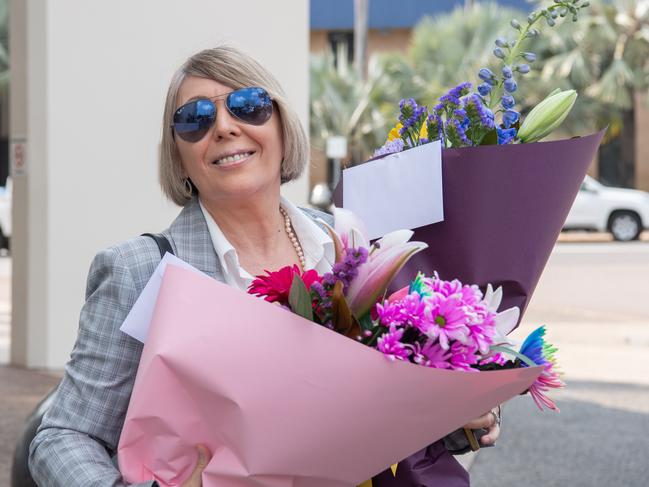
{"x":317,"y":246}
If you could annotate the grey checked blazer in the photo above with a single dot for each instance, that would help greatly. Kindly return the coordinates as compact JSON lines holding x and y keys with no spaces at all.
{"x":79,"y":434}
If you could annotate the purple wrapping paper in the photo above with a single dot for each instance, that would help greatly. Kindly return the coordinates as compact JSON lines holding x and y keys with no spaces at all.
{"x":504,"y":207}
{"x":431,"y":467}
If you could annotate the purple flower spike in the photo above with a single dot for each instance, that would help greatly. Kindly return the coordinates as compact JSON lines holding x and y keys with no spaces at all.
{"x":389,"y":148}
{"x":510,"y":85}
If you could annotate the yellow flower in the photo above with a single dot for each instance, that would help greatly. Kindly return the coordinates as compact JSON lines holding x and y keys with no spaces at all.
{"x":394,"y":133}
{"x":423,"y":132}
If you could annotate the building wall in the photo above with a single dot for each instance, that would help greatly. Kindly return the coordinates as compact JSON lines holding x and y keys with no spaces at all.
{"x":90,"y":80}
{"x":378,"y":41}
{"x":642,"y":142}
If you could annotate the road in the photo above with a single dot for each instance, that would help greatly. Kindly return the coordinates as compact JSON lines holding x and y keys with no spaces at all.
{"x":594,"y":299}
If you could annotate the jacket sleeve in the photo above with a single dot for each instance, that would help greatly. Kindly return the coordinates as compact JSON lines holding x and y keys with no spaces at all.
{"x":80,"y":431}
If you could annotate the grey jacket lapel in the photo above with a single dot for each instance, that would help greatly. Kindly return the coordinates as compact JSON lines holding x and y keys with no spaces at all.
{"x":192,"y":240}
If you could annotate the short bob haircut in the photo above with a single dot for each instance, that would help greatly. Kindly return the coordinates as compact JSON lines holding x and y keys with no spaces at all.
{"x":235,"y":69}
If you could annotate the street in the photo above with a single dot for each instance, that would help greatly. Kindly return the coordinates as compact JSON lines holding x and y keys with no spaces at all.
{"x":594,"y":300}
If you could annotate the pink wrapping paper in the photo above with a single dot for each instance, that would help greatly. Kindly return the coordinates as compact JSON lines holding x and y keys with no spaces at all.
{"x":281,"y":401}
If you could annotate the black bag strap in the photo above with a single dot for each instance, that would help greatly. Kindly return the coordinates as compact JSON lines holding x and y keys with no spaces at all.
{"x":163,"y":243}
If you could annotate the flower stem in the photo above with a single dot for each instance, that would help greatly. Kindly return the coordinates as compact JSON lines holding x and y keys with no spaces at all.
{"x":507,"y":350}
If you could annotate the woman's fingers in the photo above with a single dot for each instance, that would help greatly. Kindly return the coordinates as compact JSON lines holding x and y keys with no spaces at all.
{"x":491,"y":436}
{"x":487,"y":420}
{"x":204,"y":457}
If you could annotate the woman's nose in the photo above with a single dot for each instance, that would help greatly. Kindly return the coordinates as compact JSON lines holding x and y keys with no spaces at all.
{"x":225,"y":124}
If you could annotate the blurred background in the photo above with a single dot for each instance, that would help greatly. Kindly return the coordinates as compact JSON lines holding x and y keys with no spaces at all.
{"x":81,"y":94}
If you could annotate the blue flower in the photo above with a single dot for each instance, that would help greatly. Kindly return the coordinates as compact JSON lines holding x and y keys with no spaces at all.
{"x":510,"y":117}
{"x":510,"y":85}
{"x":507,"y":102}
{"x":507,"y":72}
{"x":501,"y":42}
{"x":485,"y":74}
{"x":499,"y":53}
{"x":484,"y":89}
{"x":530,"y":57}
{"x":523,"y":68}
{"x":506,"y":136}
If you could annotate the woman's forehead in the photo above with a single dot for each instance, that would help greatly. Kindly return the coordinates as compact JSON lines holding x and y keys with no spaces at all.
{"x":197,"y":87}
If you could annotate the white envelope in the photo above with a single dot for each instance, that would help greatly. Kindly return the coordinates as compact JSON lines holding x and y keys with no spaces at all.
{"x":138,"y":320}
{"x":402,"y":190}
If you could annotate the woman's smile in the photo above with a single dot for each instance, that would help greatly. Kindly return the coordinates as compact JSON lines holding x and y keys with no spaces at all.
{"x":233,"y":159}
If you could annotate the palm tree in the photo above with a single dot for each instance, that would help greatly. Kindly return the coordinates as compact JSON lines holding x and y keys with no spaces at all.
{"x":605,"y":56}
{"x":343,"y":104}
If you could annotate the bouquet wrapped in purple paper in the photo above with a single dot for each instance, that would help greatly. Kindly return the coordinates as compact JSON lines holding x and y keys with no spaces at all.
{"x":505,"y":194}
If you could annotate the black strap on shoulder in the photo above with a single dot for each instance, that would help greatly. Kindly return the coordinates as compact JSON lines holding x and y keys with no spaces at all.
{"x":162,"y":242}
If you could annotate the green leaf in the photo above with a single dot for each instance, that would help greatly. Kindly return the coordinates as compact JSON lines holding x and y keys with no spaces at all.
{"x":299,"y":298}
{"x":490,"y":138}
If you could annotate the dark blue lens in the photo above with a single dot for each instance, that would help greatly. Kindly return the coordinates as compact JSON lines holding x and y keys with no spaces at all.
{"x":250,"y":105}
{"x":193,"y":120}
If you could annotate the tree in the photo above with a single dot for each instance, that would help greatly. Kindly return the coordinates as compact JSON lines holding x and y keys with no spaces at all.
{"x":605,"y":56}
{"x":343,"y":104}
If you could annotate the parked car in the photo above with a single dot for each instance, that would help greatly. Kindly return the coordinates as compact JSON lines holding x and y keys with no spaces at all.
{"x":623,"y":212}
{"x":5,"y":214}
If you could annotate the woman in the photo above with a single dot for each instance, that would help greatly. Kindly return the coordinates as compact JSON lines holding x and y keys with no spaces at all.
{"x":229,"y":141}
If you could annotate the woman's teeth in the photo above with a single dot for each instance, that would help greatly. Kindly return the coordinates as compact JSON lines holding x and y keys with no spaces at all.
{"x":234,"y":158}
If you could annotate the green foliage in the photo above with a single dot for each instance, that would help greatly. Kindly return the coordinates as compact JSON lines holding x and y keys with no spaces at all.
{"x":299,"y":298}
{"x":604,"y":57}
{"x":343,"y":104}
{"x":449,"y":49}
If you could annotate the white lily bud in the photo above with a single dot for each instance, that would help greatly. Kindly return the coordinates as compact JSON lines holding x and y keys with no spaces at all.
{"x":547,"y":116}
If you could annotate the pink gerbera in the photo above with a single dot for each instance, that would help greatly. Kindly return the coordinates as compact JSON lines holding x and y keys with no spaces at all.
{"x":276,"y":286}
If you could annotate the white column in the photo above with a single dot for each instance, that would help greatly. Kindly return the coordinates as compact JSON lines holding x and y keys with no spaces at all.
{"x":88,"y":87}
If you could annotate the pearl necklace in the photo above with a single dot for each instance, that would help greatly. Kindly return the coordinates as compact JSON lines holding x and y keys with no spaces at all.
{"x":293,"y":238}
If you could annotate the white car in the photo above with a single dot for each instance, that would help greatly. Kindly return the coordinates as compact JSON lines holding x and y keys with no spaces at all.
{"x":623,"y":212}
{"x":5,"y":214}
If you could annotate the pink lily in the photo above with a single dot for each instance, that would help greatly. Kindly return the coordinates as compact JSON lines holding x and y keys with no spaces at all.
{"x":386,"y":258}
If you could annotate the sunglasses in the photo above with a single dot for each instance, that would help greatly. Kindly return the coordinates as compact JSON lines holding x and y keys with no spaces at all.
{"x":253,"y":106}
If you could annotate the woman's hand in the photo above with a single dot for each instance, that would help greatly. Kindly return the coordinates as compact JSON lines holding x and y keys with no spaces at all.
{"x":204,"y":457}
{"x":490,"y":421}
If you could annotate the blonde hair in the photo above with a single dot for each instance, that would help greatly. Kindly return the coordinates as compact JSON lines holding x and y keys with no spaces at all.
{"x":231,"y":67}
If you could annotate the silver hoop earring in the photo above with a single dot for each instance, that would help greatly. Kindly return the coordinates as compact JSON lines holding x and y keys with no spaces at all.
{"x":189,"y":189}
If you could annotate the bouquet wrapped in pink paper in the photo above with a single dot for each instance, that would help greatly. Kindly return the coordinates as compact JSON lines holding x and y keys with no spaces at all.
{"x":283,"y":401}
{"x":505,"y":194}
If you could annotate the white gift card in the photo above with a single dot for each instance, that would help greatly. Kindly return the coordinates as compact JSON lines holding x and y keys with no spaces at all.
{"x":138,"y":320}
{"x":402,"y":190}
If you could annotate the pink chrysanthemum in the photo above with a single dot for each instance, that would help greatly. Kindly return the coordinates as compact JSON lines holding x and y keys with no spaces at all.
{"x":446,"y":319}
{"x":389,"y":343}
